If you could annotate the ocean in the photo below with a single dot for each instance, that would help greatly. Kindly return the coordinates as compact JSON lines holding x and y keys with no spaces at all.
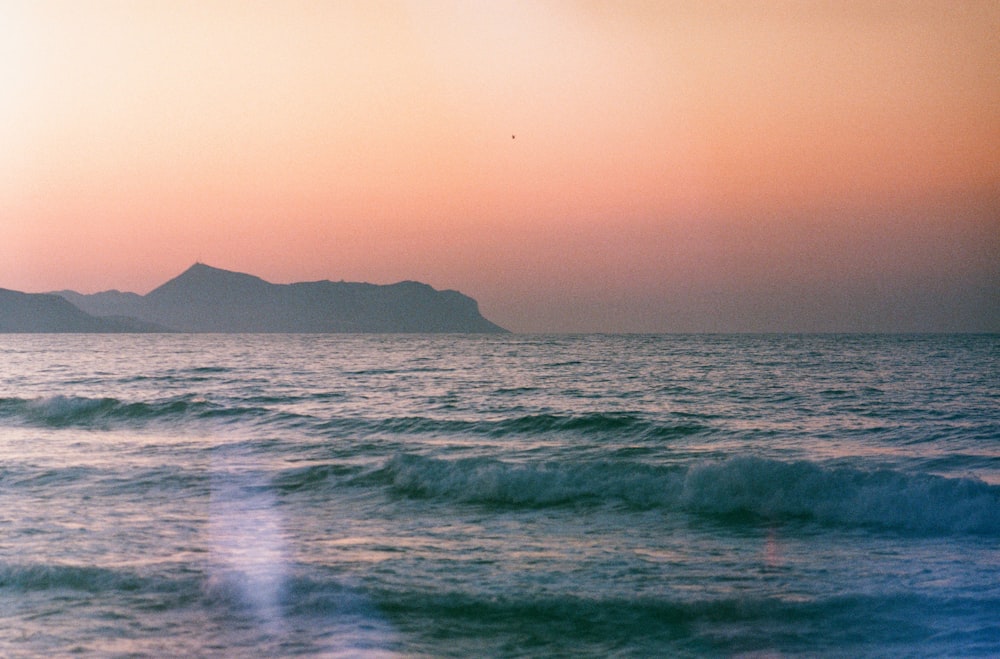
{"x":204,"y":495}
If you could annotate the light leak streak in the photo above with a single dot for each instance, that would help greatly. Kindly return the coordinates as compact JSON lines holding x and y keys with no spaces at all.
{"x":252,"y":568}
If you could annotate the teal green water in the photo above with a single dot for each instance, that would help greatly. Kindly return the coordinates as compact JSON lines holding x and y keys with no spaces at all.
{"x":352,"y":495}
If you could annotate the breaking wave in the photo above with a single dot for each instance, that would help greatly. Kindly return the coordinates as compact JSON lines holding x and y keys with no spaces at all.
{"x":740,"y":488}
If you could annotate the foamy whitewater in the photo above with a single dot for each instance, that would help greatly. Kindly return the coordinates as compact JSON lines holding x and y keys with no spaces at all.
{"x":500,"y":496}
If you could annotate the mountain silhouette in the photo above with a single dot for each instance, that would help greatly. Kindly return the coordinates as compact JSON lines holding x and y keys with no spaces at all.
{"x":207,"y":299}
{"x":42,"y":312}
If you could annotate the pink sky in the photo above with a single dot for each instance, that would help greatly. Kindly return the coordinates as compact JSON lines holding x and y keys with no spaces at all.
{"x":678,"y":166}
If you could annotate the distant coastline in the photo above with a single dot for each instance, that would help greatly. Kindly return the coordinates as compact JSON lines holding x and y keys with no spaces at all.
{"x":208,"y":299}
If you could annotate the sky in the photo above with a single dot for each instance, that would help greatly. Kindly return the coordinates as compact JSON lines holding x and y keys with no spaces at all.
{"x":574,"y":165}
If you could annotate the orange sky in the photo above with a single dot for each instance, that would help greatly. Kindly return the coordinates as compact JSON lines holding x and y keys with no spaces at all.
{"x":678,"y":166}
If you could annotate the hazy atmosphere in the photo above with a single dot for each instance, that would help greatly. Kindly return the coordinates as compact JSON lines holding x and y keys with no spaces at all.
{"x":572,"y":165}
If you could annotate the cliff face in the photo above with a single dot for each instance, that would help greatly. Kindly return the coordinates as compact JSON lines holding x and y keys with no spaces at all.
{"x":207,"y":299}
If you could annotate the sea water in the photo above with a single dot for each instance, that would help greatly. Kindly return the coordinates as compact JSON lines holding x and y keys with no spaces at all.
{"x":502,"y":495}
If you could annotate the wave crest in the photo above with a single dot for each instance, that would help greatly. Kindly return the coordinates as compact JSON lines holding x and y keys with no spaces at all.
{"x":619,"y":424}
{"x":843,"y":496}
{"x":741,"y":488}
{"x":32,"y":577}
{"x":70,"y":411}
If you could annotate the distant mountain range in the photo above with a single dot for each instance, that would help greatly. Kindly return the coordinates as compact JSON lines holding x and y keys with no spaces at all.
{"x":40,"y":312}
{"x":207,"y":299}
